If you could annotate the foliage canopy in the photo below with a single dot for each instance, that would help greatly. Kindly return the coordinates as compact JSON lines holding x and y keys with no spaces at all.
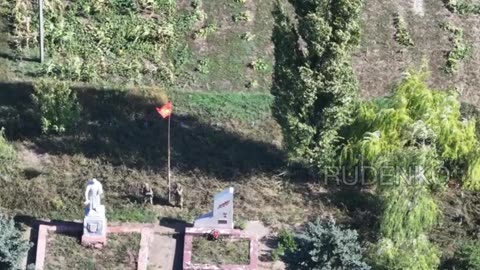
{"x":313,"y":84}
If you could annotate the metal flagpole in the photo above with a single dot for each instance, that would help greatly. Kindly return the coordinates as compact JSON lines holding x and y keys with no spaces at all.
{"x":40,"y":15}
{"x":168,"y":154}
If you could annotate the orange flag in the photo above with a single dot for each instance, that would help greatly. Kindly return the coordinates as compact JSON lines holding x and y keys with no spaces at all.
{"x":166,"y":110}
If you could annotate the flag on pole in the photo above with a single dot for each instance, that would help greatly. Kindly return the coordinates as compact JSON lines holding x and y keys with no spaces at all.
{"x":166,"y":110}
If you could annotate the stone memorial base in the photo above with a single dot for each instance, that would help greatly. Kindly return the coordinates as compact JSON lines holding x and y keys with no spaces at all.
{"x":95,"y":228}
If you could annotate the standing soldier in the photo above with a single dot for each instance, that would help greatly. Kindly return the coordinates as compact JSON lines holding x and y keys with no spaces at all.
{"x":177,"y":193}
{"x":147,"y":193}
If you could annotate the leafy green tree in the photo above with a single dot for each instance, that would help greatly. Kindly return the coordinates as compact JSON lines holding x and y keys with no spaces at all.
{"x":415,"y":134}
{"x":12,"y":245}
{"x":314,"y":85}
{"x":326,"y":246}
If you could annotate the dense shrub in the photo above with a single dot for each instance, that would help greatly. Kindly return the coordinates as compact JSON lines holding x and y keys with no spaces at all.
{"x":286,"y":244}
{"x":468,"y":256}
{"x":326,"y":246}
{"x":12,"y":246}
{"x":314,"y":86}
{"x":57,"y":105}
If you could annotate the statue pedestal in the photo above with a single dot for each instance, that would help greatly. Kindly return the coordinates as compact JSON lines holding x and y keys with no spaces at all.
{"x":95,"y":228}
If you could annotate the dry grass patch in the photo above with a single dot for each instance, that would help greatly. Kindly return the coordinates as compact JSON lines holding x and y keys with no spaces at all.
{"x":65,"y":252}
{"x":221,"y":251}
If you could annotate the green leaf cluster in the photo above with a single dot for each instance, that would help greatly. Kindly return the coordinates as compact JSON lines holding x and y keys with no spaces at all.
{"x":401,"y":35}
{"x":286,"y":244}
{"x":326,"y":246}
{"x":57,"y":105}
{"x":314,"y":85}
{"x":459,"y":51}
{"x":13,"y":246}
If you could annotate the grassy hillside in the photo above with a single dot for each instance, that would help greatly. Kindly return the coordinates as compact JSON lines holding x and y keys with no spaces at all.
{"x":225,"y":46}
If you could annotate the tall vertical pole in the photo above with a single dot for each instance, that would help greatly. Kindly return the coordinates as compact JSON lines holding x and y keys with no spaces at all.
{"x":40,"y":15}
{"x":168,"y":157}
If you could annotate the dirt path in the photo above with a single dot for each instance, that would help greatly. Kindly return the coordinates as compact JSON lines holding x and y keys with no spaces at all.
{"x":166,"y":248}
{"x":266,"y":244}
{"x":162,"y":252}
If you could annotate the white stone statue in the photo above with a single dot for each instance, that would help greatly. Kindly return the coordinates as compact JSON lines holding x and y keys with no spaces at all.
{"x":95,"y":221}
{"x":93,"y":194}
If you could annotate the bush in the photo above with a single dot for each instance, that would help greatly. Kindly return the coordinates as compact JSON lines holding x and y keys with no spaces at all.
{"x":468,"y":256}
{"x":57,"y":105}
{"x":411,"y":254}
{"x":286,"y":244}
{"x":12,"y":246}
{"x":326,"y":246}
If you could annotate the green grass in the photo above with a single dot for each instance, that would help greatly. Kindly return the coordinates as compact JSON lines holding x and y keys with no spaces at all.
{"x":65,"y":252}
{"x":128,"y":212}
{"x":219,"y":252}
{"x":218,"y":106}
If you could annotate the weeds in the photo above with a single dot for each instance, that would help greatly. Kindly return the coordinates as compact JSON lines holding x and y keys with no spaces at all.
{"x":22,"y":20}
{"x":259,"y":65}
{"x":286,"y":243}
{"x":462,"y":7}
{"x":252,"y":84}
{"x":401,"y":32}
{"x":459,"y":51}
{"x":203,"y":66}
{"x":244,"y":16}
{"x":247,"y":36}
{"x":57,"y":106}
{"x":106,"y":40}
{"x":205,"y":31}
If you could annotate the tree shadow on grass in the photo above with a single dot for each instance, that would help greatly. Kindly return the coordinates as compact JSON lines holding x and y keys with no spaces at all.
{"x":123,"y":129}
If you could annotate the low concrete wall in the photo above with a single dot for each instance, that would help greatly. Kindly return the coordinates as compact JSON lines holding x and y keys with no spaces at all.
{"x":144,"y":229}
{"x":232,"y":234}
